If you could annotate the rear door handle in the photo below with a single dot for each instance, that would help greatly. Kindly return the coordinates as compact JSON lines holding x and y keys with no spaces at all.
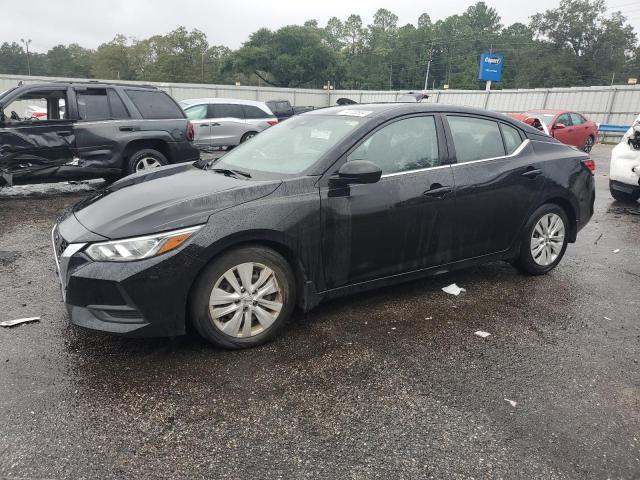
{"x":532,"y":172}
{"x":437,"y":191}
{"x":215,"y":124}
{"x":204,"y":125}
{"x":126,"y":128}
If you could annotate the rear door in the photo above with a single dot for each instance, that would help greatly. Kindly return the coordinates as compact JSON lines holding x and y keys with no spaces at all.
{"x":497,"y":181}
{"x":227,"y":123}
{"x":198,"y":115}
{"x":37,"y":149}
{"x":402,"y":223}
{"x":103,"y":120}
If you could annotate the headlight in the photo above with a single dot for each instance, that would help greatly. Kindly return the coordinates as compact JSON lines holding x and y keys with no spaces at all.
{"x":129,"y":249}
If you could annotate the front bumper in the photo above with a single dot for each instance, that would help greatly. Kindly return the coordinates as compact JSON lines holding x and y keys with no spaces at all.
{"x":144,"y":298}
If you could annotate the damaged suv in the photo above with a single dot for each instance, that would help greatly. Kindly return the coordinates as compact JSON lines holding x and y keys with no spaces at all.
{"x":90,"y":130}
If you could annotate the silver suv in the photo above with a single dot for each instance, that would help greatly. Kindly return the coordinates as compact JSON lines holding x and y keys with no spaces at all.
{"x":226,"y":122}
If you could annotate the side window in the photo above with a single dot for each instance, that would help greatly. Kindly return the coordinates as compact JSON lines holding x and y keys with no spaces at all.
{"x":475,"y":138}
{"x":155,"y":104}
{"x":93,"y":104}
{"x":38,"y":105}
{"x":118,"y":110}
{"x":226,"y":110}
{"x":564,"y":119}
{"x":512,"y":139}
{"x":197,"y":112}
{"x":401,"y":146}
{"x":251,"y":112}
{"x":576,"y":119}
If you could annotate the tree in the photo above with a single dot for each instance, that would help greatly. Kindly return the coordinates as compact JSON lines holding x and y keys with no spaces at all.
{"x":112,"y":60}
{"x":289,"y":57}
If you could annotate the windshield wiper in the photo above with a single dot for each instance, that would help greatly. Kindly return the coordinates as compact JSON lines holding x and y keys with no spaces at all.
{"x":232,"y":173}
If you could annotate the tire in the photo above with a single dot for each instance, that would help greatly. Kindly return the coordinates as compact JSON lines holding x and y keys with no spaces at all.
{"x":248,"y":136}
{"x":588,"y":144}
{"x":623,"y":197}
{"x":263,"y":317}
{"x":552,"y":246}
{"x":149,"y":157}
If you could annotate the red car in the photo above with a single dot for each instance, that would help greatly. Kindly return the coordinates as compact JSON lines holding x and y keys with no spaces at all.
{"x":568,"y":127}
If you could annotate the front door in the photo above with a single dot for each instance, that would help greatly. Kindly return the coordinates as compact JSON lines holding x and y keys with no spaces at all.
{"x":36,"y":148}
{"x":563,"y":130}
{"x":402,"y":223}
{"x":497,"y":180}
{"x":198,"y":116}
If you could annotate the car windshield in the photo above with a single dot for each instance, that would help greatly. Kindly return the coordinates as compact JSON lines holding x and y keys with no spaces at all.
{"x":290,"y":147}
{"x":545,"y":118}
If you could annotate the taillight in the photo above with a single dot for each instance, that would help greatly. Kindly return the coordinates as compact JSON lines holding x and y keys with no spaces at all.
{"x":190,"y":132}
{"x":272,"y":122}
{"x":589,"y":165}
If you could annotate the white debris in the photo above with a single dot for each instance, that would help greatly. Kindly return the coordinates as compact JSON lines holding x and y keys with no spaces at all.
{"x":428,"y":318}
{"x":616,"y":250}
{"x":607,"y":318}
{"x":482,"y":334}
{"x":18,"y":321}
{"x":511,"y":402}
{"x":453,"y":289}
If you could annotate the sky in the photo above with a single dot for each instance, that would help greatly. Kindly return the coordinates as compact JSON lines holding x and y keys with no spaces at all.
{"x":230,"y":22}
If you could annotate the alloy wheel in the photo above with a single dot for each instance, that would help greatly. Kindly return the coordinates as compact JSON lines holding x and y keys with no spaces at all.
{"x":245,"y":300}
{"x":588,"y":145}
{"x":547,"y":239}
{"x":146,"y":163}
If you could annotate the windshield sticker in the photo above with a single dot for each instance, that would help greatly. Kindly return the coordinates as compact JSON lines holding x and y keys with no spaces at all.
{"x":354,"y":113}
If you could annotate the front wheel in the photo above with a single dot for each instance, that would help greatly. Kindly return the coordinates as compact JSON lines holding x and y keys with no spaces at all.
{"x":243,"y":298}
{"x":544,"y":240}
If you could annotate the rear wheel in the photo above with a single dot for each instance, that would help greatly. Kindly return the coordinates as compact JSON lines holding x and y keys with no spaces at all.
{"x":544,"y":240}
{"x":243,"y":298}
{"x":146,"y":159}
{"x":588,"y":145}
{"x":248,"y":136}
{"x":623,"y":197}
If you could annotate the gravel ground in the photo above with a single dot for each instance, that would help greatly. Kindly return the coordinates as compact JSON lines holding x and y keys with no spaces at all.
{"x":388,"y":384}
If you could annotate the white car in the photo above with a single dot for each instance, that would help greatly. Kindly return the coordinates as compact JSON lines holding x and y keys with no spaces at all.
{"x":624,"y":175}
{"x":226,"y":122}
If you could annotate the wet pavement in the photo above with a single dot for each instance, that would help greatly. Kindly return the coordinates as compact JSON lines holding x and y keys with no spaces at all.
{"x":388,"y":384}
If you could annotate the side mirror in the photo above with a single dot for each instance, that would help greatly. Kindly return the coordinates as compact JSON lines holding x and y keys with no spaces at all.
{"x":559,"y":126}
{"x":359,"y":171}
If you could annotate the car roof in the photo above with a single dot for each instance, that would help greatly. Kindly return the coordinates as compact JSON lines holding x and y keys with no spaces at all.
{"x":237,"y":101}
{"x":90,"y":83}
{"x":370,"y":110}
{"x":553,"y":111}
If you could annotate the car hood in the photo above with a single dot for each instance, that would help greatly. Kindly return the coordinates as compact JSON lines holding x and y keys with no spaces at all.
{"x":165,"y":199}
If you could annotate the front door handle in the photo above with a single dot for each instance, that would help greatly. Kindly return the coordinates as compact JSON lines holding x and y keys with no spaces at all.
{"x":204,"y":125}
{"x":437,"y":191}
{"x":532,"y":172}
{"x":65,"y":133}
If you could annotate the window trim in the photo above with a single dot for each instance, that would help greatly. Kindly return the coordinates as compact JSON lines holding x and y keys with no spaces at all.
{"x":504,"y":142}
{"x":453,"y":158}
{"x":440,"y":135}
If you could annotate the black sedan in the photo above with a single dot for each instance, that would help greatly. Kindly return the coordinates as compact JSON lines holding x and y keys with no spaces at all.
{"x":328,"y":203}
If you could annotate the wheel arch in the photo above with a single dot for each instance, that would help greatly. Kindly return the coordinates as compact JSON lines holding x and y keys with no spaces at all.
{"x":143,"y":143}
{"x":268,"y":239}
{"x":570,"y":211}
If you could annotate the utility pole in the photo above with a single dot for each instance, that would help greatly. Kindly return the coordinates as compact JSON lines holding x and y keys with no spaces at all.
{"x":26,"y":44}
{"x":391,"y":76}
{"x":328,"y":87}
{"x":203,"y":52}
{"x":426,"y":80}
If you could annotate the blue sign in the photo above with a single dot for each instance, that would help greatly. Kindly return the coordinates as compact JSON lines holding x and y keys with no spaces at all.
{"x":490,"y":66}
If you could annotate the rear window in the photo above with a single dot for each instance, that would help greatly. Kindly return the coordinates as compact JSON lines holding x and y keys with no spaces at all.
{"x":154,"y":104}
{"x":252,"y":112}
